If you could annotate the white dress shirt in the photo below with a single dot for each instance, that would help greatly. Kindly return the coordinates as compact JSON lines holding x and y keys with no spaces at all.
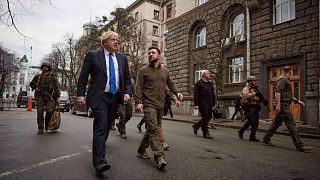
{"x":116,"y":69}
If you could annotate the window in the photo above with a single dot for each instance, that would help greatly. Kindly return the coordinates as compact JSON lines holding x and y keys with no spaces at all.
{"x":156,"y":14}
{"x":197,"y":73}
{"x":136,"y":16}
{"x":155,"y":30}
{"x":22,"y":77}
{"x":283,"y":10}
{"x":201,"y":37}
{"x":199,"y":2}
{"x":295,"y":71}
{"x":236,"y":70}
{"x":169,"y":10}
{"x":237,"y":26}
{"x":155,"y":44}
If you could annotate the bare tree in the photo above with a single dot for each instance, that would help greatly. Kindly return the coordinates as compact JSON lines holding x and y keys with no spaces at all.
{"x":212,"y":56}
{"x":65,"y":62}
{"x":132,"y":39}
{"x":9,"y":11}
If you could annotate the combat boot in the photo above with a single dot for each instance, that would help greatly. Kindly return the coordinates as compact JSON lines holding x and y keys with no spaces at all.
{"x":165,"y":146}
{"x":40,"y":131}
{"x":161,"y":164}
{"x":267,"y":142}
{"x":304,"y":148}
{"x":207,"y":135}
{"x":195,"y":129}
{"x":143,"y":155}
{"x":254,"y":139}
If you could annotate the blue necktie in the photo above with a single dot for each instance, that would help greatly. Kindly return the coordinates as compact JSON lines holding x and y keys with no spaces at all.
{"x":112,"y":76}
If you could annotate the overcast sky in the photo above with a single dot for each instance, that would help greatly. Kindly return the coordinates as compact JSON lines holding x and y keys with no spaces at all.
{"x":48,"y":25}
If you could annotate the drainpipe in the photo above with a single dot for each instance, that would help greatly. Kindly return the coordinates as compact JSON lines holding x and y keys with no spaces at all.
{"x":160,"y":29}
{"x":248,"y":39}
{"x":319,"y":84}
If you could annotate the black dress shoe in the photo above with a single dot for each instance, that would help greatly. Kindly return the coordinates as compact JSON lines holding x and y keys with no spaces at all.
{"x":100,"y":168}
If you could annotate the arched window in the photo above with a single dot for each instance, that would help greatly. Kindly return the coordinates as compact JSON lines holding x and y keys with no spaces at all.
{"x":237,"y":26}
{"x":201,"y":37}
{"x":199,"y":2}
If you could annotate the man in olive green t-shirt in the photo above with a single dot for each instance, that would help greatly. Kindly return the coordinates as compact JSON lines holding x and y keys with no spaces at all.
{"x":284,"y":97}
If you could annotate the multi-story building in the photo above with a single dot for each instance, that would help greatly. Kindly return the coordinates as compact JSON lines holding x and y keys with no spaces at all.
{"x":150,"y":17}
{"x":235,"y":39}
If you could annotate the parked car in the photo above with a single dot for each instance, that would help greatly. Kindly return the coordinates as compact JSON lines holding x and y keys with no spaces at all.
{"x":77,"y":109}
{"x":65,"y":101}
{"x":22,"y":99}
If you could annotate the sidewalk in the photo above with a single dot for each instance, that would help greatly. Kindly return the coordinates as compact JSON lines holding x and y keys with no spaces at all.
{"x":305,"y":131}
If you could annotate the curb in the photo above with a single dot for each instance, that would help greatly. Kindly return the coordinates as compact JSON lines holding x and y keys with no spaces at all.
{"x":301,"y":134}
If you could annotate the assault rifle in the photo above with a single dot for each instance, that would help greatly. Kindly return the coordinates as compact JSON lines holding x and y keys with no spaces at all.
{"x":43,"y":91}
{"x":261,"y":97}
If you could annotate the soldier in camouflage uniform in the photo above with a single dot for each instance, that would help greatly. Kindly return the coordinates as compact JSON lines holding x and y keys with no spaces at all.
{"x":47,"y":82}
{"x":251,"y":110}
{"x":284,"y":97}
{"x":125,"y":114}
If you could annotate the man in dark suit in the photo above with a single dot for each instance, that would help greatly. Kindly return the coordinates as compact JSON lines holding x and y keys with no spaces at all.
{"x":110,"y":85}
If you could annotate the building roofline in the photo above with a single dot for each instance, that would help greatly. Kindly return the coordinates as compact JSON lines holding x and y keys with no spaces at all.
{"x":138,"y":2}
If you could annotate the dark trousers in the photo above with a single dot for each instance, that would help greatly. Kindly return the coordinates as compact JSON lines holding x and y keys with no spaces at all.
{"x":104,"y":115}
{"x":285,"y":115}
{"x":236,"y":112}
{"x":142,"y":121}
{"x":206,"y":115}
{"x":252,"y":116}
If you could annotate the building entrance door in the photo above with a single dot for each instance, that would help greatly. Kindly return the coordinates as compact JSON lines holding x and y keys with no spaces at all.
{"x":273,"y":74}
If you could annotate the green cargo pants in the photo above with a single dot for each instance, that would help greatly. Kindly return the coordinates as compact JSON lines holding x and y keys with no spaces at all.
{"x":125,"y":113}
{"x":285,"y":115}
{"x":152,"y":135}
{"x":44,"y":104}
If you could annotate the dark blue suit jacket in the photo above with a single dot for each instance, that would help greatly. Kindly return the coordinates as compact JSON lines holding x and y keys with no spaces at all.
{"x":95,"y":66}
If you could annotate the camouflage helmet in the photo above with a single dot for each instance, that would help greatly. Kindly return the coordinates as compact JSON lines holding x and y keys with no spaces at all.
{"x":46,"y":63}
{"x":251,"y":78}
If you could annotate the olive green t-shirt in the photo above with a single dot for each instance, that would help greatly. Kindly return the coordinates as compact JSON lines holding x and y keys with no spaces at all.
{"x":283,"y":86}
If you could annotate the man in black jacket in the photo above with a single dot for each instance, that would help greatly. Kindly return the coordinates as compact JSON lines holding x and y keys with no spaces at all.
{"x":204,"y":99}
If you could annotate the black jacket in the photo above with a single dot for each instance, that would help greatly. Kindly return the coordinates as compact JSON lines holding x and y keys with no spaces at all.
{"x":204,"y":94}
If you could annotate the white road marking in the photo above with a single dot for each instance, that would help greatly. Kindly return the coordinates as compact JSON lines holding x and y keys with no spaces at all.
{"x":32,"y":166}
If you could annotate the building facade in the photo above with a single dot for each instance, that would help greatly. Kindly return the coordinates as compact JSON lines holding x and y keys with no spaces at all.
{"x":235,"y":39}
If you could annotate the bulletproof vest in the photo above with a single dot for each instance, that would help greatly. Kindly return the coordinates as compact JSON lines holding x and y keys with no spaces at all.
{"x":46,"y":82}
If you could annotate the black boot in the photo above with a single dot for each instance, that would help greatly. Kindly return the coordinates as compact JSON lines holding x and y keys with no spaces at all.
{"x":195,"y":129}
{"x":240,"y":133}
{"x":254,"y":139}
{"x":207,"y":135}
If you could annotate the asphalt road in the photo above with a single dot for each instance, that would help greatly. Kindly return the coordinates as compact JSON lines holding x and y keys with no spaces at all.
{"x":67,"y":153}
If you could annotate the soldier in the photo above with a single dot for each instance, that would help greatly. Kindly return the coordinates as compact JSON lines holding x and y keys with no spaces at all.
{"x":125,"y":114}
{"x":251,"y":98}
{"x":45,"y":85}
{"x":238,"y":108}
{"x":284,"y":97}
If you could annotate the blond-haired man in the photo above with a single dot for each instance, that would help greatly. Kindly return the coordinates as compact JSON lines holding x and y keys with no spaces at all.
{"x":110,"y":85}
